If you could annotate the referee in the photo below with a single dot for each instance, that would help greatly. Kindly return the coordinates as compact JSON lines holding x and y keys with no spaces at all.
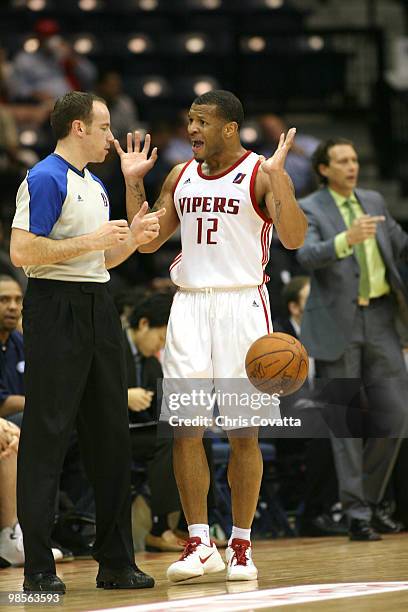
{"x":75,"y":370}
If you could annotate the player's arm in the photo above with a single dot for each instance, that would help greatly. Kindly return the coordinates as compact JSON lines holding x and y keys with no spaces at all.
{"x":170,"y":222}
{"x":277,"y":189}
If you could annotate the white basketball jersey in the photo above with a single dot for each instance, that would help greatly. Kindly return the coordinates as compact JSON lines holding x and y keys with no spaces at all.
{"x":225,"y":237}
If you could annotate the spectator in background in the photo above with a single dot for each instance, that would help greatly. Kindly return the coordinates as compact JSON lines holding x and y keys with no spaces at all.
{"x":298,"y":162}
{"x":126,"y":300}
{"x":351,"y":252}
{"x":11,"y":538}
{"x":12,"y":358}
{"x":294,"y":298}
{"x":124,"y":118}
{"x":123,"y":111}
{"x":6,"y":267}
{"x":51,"y":71}
{"x":178,"y":149}
{"x":144,"y":339}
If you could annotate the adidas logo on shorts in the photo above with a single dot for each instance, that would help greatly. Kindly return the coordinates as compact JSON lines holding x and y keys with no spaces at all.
{"x":254,"y":303}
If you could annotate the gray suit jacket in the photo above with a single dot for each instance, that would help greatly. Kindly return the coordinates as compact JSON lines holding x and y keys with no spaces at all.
{"x":330,"y":309}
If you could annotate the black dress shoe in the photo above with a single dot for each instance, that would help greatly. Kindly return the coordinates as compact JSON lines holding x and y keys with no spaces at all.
{"x":43,"y":583}
{"x":362,"y":531}
{"x":127,"y":578}
{"x":382,"y":521}
{"x":321,"y":526}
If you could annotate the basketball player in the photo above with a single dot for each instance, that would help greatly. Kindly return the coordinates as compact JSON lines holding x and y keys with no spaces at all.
{"x":225,"y":200}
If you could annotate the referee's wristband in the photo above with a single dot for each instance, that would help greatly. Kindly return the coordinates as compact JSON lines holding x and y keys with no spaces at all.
{"x":341,"y":246}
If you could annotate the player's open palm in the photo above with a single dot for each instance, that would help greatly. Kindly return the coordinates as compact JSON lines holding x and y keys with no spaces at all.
{"x":276,"y":163}
{"x":135,"y":163}
{"x":145,"y":226}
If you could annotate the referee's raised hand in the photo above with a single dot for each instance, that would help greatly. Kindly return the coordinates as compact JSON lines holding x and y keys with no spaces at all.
{"x":146,"y":226}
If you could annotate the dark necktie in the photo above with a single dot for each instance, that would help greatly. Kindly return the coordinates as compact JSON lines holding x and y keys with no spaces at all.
{"x":138,"y":367}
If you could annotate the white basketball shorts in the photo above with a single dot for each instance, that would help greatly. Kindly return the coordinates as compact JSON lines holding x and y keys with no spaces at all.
{"x":208,"y":336}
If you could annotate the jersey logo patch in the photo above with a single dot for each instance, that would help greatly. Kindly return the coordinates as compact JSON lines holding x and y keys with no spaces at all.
{"x":80,"y":198}
{"x":239,"y":178}
{"x":187,"y":181}
{"x":105,"y":199}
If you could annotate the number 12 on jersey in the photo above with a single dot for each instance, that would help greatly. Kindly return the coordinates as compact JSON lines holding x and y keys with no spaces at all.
{"x":213,"y":226}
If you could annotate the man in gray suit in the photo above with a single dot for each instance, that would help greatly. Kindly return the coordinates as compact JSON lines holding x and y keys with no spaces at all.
{"x":351,"y":253}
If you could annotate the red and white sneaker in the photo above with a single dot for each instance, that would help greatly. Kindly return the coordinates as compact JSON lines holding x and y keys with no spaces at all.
{"x":239,"y":561}
{"x":196,"y":559}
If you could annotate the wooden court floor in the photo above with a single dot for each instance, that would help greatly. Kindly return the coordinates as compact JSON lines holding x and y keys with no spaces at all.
{"x":281,"y":563}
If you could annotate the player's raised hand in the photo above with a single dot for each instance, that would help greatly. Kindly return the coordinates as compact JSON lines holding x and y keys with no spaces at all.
{"x":276,"y":163}
{"x":135,"y":163}
{"x":145,"y":226}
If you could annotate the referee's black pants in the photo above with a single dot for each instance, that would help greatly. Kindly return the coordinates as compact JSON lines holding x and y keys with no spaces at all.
{"x":75,"y":374}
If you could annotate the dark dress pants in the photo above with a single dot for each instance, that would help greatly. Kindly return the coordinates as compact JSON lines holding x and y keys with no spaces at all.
{"x":75,"y":374}
{"x":373,"y":360}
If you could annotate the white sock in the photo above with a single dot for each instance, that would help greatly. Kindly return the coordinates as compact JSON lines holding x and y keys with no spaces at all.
{"x":200,"y":530}
{"x":242,"y":534}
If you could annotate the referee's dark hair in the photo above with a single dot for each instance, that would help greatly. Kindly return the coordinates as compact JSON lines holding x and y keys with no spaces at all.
{"x":155,"y":308}
{"x":228,"y":105}
{"x":69,"y":107}
{"x":322,"y":155}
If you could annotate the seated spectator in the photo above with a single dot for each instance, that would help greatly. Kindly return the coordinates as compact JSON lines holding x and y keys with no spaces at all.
{"x":12,"y":351}
{"x":178,"y":149}
{"x":51,"y":71}
{"x":294,"y":297}
{"x":298,"y":162}
{"x":11,"y":538}
{"x":123,"y":112}
{"x":144,"y":338}
{"x":126,"y":300}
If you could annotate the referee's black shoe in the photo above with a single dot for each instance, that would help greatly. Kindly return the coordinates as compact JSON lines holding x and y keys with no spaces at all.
{"x":125,"y":578}
{"x":43,"y":583}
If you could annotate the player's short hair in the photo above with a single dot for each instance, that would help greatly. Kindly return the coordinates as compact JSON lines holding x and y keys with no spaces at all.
{"x":228,"y":105}
{"x":155,"y":308}
{"x":290,"y":292}
{"x":321,"y":155}
{"x":69,"y":107}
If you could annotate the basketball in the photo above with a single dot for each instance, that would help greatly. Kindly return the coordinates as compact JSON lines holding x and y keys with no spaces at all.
{"x":277,"y":363}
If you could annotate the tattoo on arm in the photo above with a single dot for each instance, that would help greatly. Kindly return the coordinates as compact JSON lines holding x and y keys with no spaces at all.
{"x":291,"y":184}
{"x":138,"y":192}
{"x":158,"y":204}
{"x":278,"y":210}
